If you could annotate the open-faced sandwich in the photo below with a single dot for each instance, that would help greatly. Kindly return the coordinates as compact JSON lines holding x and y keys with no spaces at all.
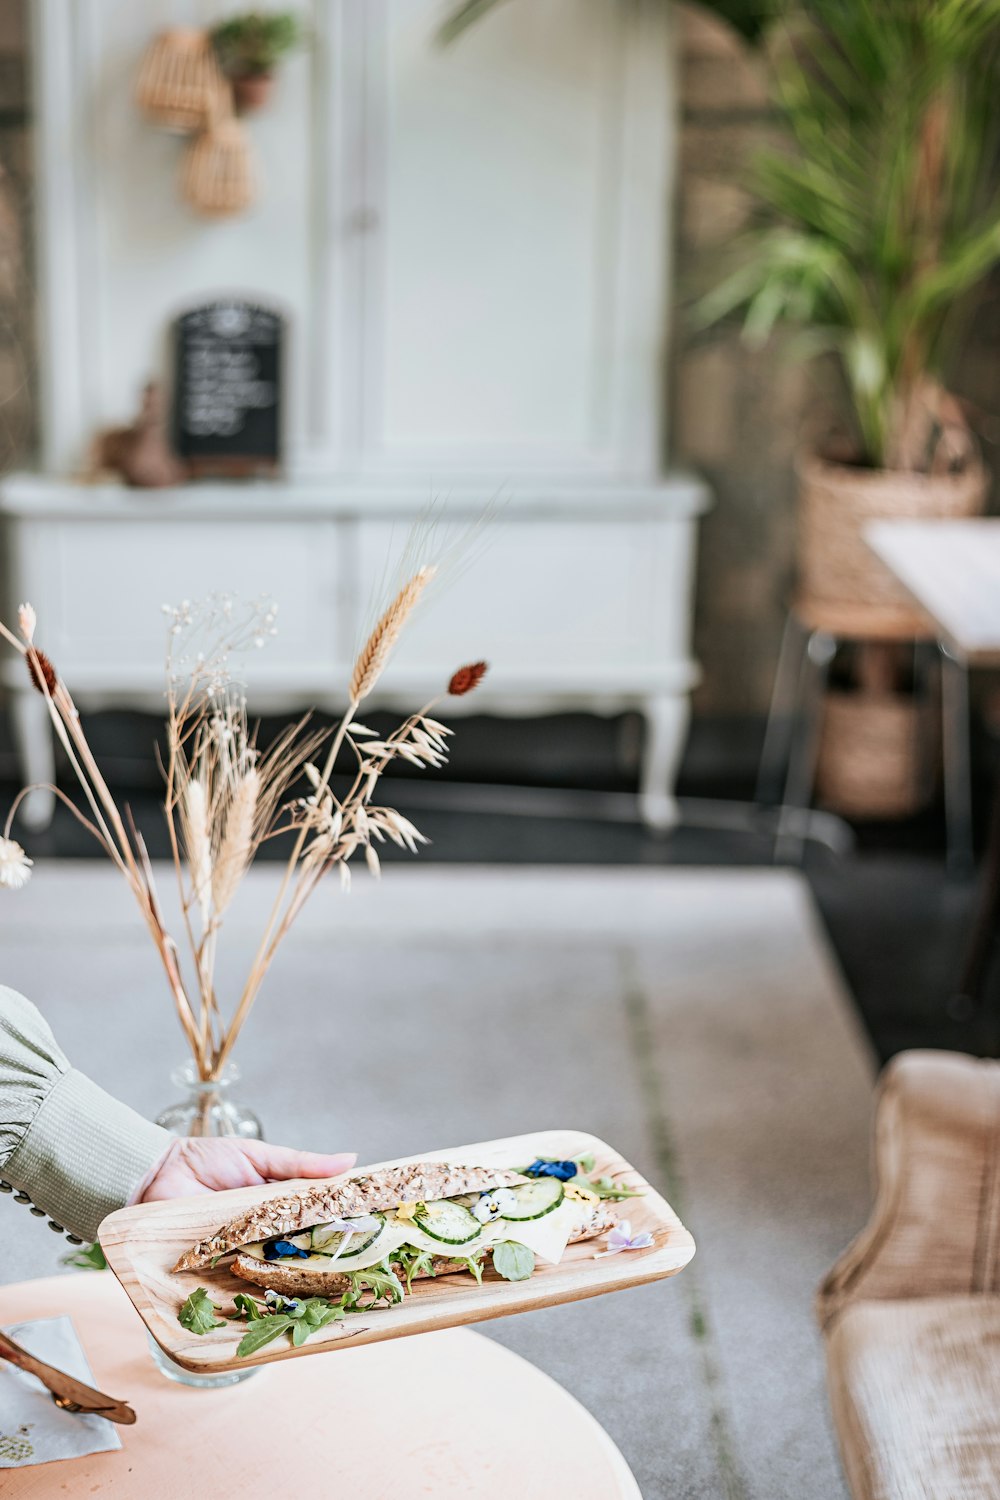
{"x":422,"y":1219}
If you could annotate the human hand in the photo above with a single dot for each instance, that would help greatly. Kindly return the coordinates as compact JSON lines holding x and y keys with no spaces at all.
{"x":210,"y":1164}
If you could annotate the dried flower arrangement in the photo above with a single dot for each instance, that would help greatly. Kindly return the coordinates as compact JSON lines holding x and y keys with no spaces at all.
{"x":224,"y":797}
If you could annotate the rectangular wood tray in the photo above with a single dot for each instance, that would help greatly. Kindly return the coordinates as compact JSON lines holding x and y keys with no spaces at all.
{"x":143,"y":1242}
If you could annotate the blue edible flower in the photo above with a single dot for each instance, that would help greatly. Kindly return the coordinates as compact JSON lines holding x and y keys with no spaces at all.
{"x":564,"y":1170}
{"x":275,"y":1248}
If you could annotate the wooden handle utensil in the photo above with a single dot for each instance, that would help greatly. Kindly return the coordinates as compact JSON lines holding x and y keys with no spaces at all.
{"x":68,"y":1393}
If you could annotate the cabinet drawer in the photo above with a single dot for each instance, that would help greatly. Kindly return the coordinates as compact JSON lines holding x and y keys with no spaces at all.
{"x":98,"y":586}
{"x":550,"y":599}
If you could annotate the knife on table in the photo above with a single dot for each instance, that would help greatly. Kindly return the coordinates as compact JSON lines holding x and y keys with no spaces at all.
{"x":67,"y":1392}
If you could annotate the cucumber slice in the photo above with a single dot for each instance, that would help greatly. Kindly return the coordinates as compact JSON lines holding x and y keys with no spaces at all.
{"x":535,"y":1199}
{"x":448,"y":1222}
{"x":326,"y":1241}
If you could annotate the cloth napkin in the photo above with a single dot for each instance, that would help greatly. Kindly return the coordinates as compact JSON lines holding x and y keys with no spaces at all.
{"x":33,"y":1430}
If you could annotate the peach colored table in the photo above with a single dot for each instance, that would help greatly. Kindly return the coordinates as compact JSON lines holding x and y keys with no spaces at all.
{"x":440,"y":1414}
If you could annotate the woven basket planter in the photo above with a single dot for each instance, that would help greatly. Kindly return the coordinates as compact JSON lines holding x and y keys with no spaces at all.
{"x":875,"y":759}
{"x":180,"y":86}
{"x":836,"y":502}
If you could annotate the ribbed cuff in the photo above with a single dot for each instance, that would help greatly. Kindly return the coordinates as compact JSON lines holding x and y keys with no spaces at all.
{"x":84,"y":1153}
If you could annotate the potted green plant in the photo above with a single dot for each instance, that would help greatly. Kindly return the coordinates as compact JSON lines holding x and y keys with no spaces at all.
{"x":881,"y":219}
{"x":249,"y":48}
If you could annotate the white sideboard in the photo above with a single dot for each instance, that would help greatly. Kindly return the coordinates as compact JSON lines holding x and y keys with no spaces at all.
{"x":579,"y":598}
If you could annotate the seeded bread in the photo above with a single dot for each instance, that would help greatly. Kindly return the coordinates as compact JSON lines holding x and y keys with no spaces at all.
{"x":345,"y":1197}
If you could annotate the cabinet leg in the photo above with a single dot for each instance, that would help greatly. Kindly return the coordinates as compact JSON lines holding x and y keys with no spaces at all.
{"x":33,"y":737}
{"x":666,"y":729}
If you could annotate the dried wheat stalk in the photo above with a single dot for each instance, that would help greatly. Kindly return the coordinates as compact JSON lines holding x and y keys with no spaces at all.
{"x":375,"y":653}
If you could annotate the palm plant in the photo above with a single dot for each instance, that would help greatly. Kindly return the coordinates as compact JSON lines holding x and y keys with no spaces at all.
{"x":883,"y":211}
{"x":745,"y":16}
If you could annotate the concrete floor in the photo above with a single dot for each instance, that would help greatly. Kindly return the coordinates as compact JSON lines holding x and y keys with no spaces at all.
{"x":694,"y":1018}
{"x":897,"y":918}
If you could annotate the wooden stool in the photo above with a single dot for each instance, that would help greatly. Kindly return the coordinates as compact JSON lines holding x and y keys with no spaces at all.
{"x":442,"y":1414}
{"x":813,"y":630}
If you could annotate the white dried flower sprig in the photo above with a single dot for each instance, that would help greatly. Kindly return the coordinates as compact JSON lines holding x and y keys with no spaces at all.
{"x":204,"y":636}
{"x":15,"y":866}
{"x":224,"y":797}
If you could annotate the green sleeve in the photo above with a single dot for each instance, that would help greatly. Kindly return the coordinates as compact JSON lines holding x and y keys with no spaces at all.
{"x":77,"y":1152}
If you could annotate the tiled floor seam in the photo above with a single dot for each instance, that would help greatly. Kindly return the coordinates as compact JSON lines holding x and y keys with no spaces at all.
{"x":652,"y":1092}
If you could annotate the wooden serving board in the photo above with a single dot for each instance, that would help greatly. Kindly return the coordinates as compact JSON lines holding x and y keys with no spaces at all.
{"x":142,"y":1243}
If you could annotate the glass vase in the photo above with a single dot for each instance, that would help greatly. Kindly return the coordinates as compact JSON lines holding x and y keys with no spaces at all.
{"x":176,"y":1372}
{"x":208,"y":1109}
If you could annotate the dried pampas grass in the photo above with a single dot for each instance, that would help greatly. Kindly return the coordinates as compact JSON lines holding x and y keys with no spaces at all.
{"x":198,"y":844}
{"x":237,"y":846}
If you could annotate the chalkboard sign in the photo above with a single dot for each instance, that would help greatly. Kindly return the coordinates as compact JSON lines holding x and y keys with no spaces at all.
{"x":227,"y":388}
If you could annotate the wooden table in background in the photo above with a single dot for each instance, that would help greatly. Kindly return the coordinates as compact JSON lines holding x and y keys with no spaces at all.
{"x":440,"y":1414}
{"x":952,"y":570}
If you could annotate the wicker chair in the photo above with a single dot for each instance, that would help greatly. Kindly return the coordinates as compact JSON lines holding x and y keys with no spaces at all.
{"x":911,"y":1311}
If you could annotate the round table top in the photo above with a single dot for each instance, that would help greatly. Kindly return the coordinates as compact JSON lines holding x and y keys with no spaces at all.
{"x":449,"y":1413}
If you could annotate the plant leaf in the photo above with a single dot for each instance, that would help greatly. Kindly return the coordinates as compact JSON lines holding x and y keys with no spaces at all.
{"x":199,"y":1313}
{"x":263,"y":1332}
{"x":512,"y":1261}
{"x":87,"y":1258}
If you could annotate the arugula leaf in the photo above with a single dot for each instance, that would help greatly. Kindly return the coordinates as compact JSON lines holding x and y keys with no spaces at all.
{"x":198,"y":1314}
{"x":262,"y":1332}
{"x":606,"y":1187}
{"x":87,"y":1258}
{"x":248,"y":1307}
{"x":380,"y":1280}
{"x":315,"y":1312}
{"x":301,"y":1319}
{"x":585,"y":1162}
{"x":413,"y":1262}
{"x":474,"y":1263}
{"x":512,"y":1261}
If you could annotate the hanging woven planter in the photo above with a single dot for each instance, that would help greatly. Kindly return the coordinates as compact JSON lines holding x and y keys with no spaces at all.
{"x":180,"y":86}
{"x":217,"y":177}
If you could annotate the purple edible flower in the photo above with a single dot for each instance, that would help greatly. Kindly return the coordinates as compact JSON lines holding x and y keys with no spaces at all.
{"x":564,"y":1170}
{"x":622,"y":1238}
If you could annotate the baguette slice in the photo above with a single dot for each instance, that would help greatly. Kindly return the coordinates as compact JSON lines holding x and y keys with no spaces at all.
{"x":346,"y":1197}
{"x":310,"y":1281}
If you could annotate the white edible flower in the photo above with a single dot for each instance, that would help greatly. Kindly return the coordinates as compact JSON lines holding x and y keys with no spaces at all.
{"x":27,"y":620}
{"x":492,"y":1205}
{"x":15,"y":866}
